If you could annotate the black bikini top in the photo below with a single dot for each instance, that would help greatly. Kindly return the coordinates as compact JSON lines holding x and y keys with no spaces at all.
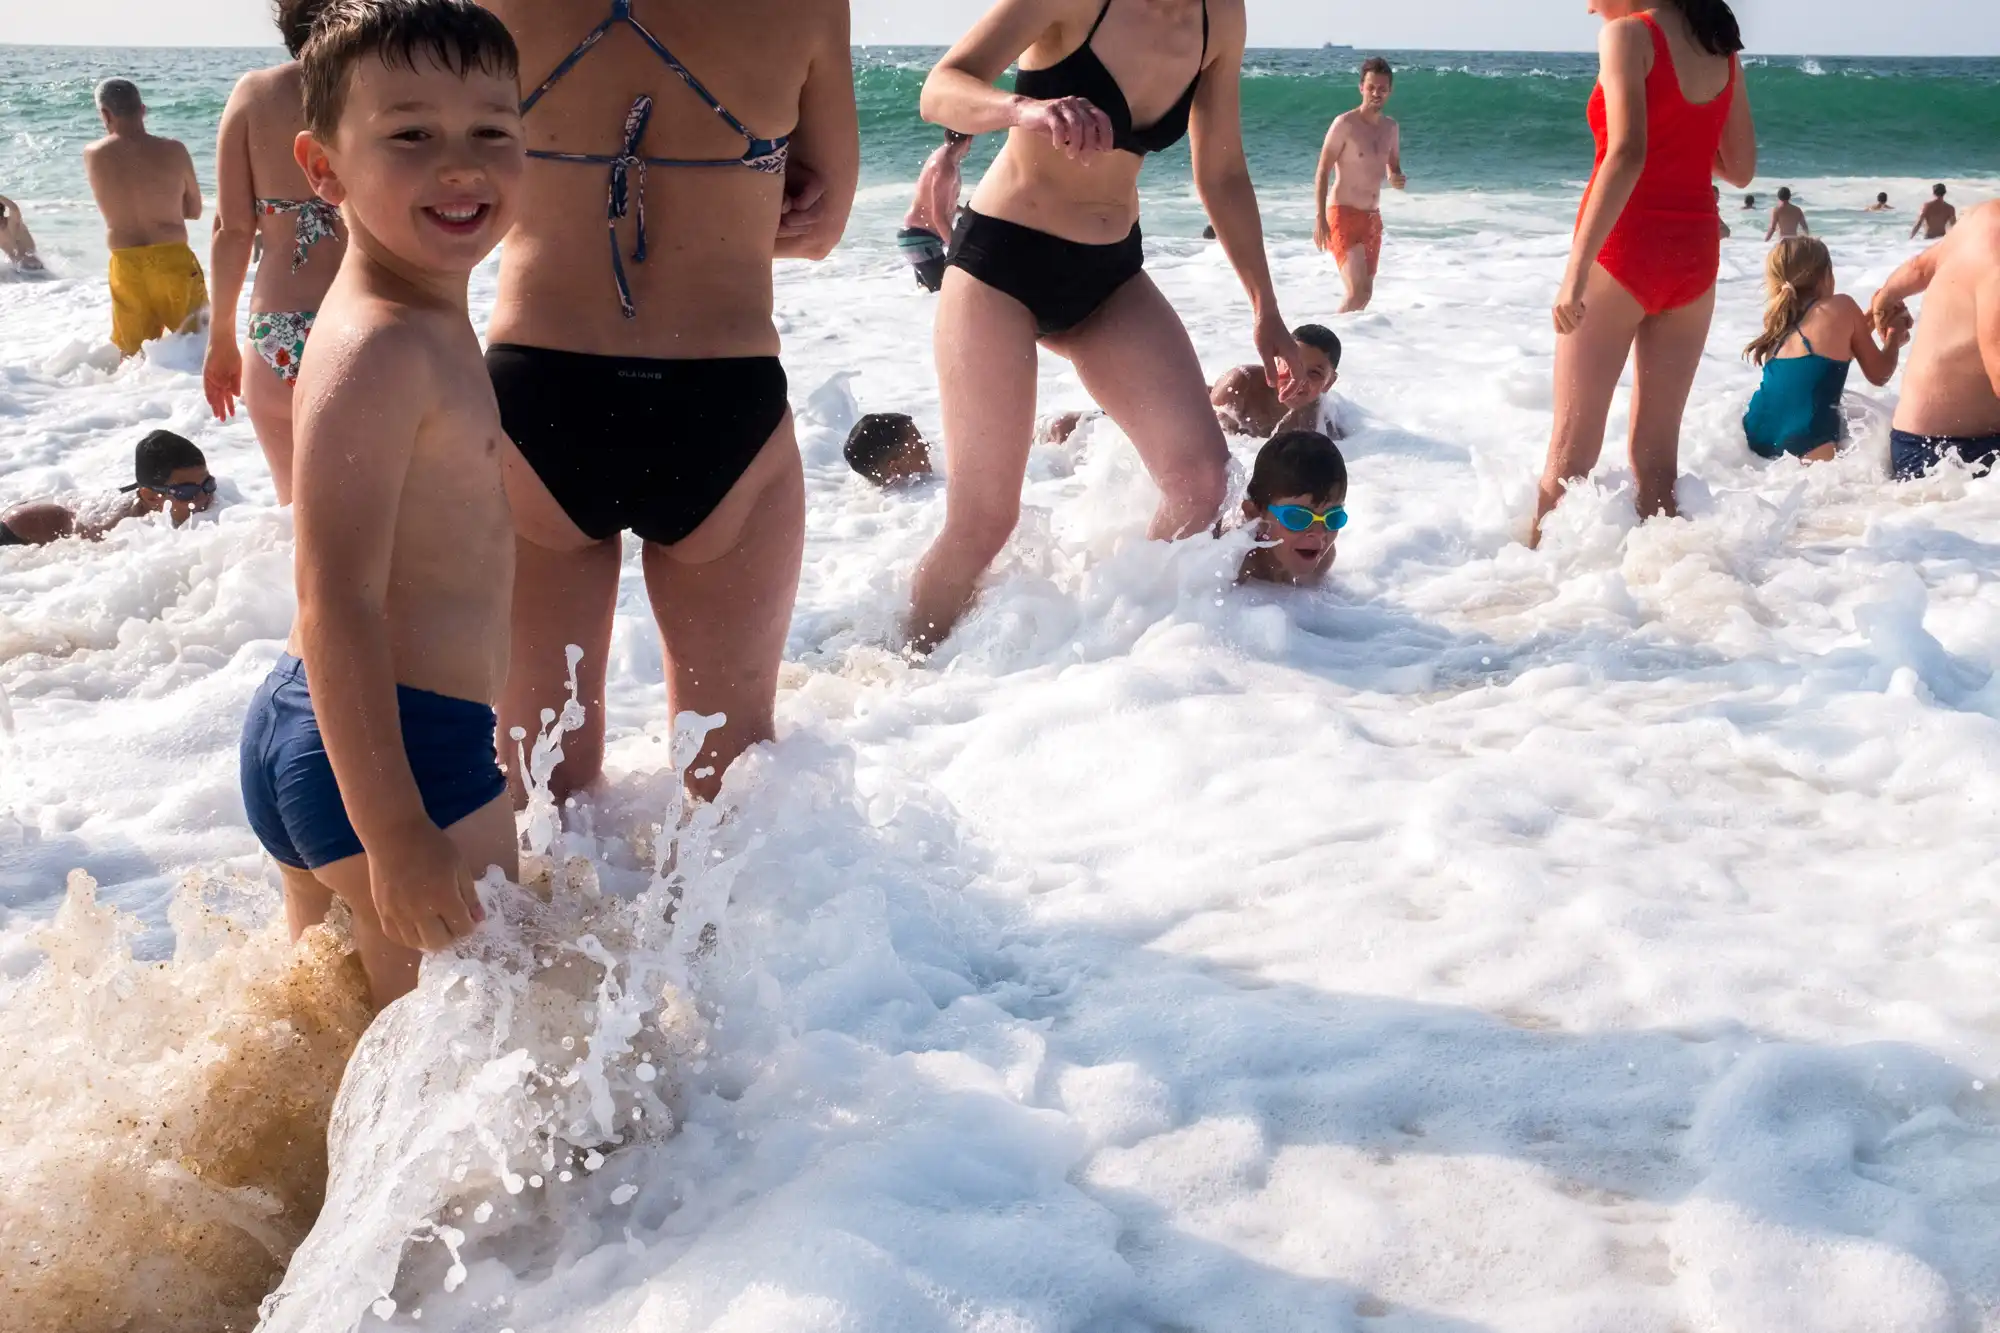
{"x":1082,"y":74}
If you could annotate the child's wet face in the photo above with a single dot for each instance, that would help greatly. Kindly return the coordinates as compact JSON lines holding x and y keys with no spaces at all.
{"x":1318,"y":369}
{"x":910,"y":463}
{"x":1301,"y":557}
{"x":153,"y":501}
{"x":429,"y":163}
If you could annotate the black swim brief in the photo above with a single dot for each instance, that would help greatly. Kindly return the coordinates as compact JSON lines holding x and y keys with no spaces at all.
{"x":632,"y":443}
{"x":1061,"y":282}
{"x":1911,"y":456}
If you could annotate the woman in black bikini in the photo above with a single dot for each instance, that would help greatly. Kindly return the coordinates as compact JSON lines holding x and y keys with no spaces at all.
{"x":632,"y":346}
{"x":1049,"y":252}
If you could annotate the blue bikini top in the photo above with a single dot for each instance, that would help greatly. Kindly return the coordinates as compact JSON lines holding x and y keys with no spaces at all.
{"x":764,"y":155}
{"x":1082,"y":74}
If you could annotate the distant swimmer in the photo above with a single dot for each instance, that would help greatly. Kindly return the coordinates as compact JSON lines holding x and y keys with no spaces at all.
{"x":15,"y":242}
{"x":1787,"y":219}
{"x":146,"y":189}
{"x":934,"y":212}
{"x":1812,"y":338}
{"x":1640,"y":284}
{"x":1881,"y":204}
{"x":1749,"y":201}
{"x":887,"y":449}
{"x":1246,"y":405}
{"x":1298,"y":501}
{"x":1950,"y":406}
{"x":1363,"y":148}
{"x":170,"y":474}
{"x":1935,"y":218}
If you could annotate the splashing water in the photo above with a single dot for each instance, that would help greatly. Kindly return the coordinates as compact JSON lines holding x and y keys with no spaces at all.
{"x":162,"y":1139}
{"x":488,"y":1108}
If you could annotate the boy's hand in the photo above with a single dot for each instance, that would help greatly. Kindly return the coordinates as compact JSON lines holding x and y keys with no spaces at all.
{"x":422,"y":890}
{"x":1280,"y":354}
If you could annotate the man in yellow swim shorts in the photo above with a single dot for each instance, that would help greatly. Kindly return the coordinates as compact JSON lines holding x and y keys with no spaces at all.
{"x":146,"y":189}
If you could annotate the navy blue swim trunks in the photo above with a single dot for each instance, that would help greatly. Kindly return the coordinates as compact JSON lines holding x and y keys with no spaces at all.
{"x":288,"y":788}
{"x":1911,"y":456}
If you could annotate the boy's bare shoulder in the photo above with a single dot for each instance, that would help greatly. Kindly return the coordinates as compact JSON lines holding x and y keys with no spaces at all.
{"x":374,"y":348}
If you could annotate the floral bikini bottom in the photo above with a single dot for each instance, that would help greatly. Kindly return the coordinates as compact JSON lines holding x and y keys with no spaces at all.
{"x":280,"y":338}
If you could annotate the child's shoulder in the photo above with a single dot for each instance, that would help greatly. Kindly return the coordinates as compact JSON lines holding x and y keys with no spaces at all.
{"x":375,"y":347}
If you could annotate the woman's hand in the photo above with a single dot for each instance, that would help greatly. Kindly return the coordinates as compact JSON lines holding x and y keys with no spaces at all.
{"x":1279,"y":352}
{"x":805,"y":202}
{"x":1569,"y":304}
{"x":1073,"y":124}
{"x":222,"y":374}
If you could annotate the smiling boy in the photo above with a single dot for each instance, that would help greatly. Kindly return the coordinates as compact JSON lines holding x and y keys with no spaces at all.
{"x":369,"y":767}
{"x":1297,"y":501}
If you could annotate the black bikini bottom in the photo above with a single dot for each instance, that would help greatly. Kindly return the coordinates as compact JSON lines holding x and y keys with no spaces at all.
{"x":626,"y":442}
{"x":1061,"y":282}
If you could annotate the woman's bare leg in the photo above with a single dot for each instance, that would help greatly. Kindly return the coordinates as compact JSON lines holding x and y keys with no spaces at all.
{"x":985,"y":344}
{"x":723,"y":598}
{"x":561,"y":597}
{"x":268,"y":399}
{"x":1588,"y":364}
{"x":1666,"y":355}
{"x":1136,"y":361}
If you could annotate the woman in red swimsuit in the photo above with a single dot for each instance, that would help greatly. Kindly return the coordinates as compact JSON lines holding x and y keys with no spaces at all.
{"x":1670,"y":113}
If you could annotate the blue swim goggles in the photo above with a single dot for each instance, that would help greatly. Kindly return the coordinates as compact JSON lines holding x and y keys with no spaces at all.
{"x":1298,"y":518}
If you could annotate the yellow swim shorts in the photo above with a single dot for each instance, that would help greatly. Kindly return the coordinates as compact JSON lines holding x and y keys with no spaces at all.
{"x":155,"y":289}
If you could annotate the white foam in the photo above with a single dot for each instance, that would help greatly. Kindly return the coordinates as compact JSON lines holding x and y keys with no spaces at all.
{"x":1585,"y":938}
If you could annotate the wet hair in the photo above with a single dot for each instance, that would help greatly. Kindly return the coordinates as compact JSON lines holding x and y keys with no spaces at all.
{"x":1797,"y":268}
{"x":1784,"y":194}
{"x":878,"y":440}
{"x":1749,"y":201}
{"x":159,"y":456}
{"x":457,"y":34}
{"x":1322,"y":337}
{"x":295,"y":20}
{"x":1937,"y":191}
{"x":1208,"y":233}
{"x":119,"y":98}
{"x":1299,"y":462}
{"x":1714,"y":26}
{"x":1377,"y":65}
{"x":1882,"y":198}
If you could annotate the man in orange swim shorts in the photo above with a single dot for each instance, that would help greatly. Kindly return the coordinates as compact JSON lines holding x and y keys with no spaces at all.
{"x":1363,"y":148}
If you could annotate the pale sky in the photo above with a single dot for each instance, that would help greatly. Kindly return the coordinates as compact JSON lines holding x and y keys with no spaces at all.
{"x":1805,"y":27}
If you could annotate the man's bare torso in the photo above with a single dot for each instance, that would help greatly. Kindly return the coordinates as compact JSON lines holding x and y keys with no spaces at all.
{"x":1366,"y":148}
{"x":1947,"y":386}
{"x":1788,"y":220}
{"x":141,"y":185}
{"x":1937,"y":218}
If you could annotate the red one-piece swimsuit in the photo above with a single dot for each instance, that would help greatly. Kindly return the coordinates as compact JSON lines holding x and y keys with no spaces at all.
{"x":1666,"y":247}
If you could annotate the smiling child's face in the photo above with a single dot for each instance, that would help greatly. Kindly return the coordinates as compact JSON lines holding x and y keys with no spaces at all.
{"x":1299,"y":557}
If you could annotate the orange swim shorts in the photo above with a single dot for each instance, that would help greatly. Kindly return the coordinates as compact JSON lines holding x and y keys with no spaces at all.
{"x":1353,"y":227}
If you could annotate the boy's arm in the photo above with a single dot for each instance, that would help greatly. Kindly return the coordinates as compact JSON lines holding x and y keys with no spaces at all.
{"x":1912,"y":279}
{"x":354,"y":449}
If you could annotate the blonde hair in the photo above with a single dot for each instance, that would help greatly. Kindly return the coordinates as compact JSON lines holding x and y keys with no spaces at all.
{"x":1798,"y":267}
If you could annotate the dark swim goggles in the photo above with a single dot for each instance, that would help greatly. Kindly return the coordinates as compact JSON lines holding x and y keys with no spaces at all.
{"x":187,"y":492}
{"x":1298,"y":518}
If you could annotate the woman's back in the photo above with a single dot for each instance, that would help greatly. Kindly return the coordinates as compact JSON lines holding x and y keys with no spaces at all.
{"x":703,"y":287}
{"x":301,"y":236}
{"x":1689,"y":92}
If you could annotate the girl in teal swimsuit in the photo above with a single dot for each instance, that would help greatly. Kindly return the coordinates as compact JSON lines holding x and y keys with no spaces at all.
{"x":1812,"y":337}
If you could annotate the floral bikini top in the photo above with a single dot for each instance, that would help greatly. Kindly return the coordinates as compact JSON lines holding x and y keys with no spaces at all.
{"x":318,"y":221}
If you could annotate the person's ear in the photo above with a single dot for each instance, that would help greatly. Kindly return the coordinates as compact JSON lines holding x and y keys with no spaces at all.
{"x":312,"y":158}
{"x":1332,"y":378}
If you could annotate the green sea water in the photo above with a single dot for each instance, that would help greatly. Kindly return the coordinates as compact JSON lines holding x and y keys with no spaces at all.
{"x":1471,"y":120}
